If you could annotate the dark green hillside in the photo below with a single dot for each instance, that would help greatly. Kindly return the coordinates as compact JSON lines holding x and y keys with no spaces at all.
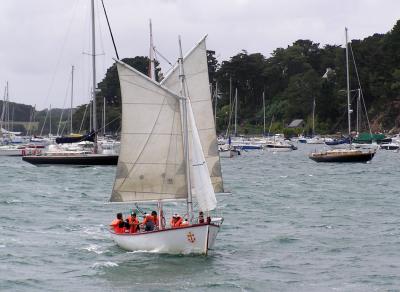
{"x":292,"y":78}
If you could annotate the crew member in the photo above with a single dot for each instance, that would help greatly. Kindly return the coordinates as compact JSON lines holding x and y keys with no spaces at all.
{"x":176,"y":221}
{"x":155,"y":219}
{"x":133,"y":223}
{"x":148,"y":222}
{"x":201,"y":217}
{"x":118,"y":224}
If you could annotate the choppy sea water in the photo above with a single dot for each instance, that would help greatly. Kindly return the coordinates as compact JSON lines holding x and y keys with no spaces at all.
{"x":290,"y":225}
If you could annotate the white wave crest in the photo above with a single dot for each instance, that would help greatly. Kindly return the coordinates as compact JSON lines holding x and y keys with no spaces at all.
{"x":93,"y":248}
{"x":99,"y":265}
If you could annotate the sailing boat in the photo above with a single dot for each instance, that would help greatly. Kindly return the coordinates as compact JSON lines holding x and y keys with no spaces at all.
{"x":79,"y":157}
{"x":314,"y":139}
{"x":168,"y":147}
{"x":11,"y":147}
{"x":226,"y":150}
{"x":350,"y":154}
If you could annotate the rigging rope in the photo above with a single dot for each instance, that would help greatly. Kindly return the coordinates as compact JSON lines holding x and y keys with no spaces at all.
{"x":359,"y":84}
{"x":83,"y":118}
{"x":63,"y":45}
{"x":109,"y":28}
{"x":62,"y":112}
{"x":165,"y":59}
{"x":44,"y":123}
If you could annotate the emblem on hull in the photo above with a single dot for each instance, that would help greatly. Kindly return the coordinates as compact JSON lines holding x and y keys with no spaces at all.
{"x":191,"y":238}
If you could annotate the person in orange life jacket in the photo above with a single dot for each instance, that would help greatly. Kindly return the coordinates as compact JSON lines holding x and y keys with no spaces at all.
{"x":176,"y":221}
{"x":118,"y":224}
{"x":155,"y":218}
{"x":148,"y":223}
{"x":133,"y":223}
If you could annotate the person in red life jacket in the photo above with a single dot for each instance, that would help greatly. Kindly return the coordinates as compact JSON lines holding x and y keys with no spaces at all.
{"x":201,"y":217}
{"x":155,"y":219}
{"x":133,"y":223}
{"x":176,"y":221}
{"x":118,"y":224}
{"x":148,"y":223}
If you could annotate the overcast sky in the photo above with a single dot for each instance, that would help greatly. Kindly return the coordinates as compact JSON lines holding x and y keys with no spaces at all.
{"x":42,"y":39}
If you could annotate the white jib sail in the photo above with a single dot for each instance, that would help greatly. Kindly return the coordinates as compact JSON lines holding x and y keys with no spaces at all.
{"x":151,"y":163}
{"x":196,"y":77}
{"x":200,"y":175}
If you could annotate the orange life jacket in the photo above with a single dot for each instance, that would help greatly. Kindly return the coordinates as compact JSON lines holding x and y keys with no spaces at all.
{"x":115,"y":223}
{"x":177,"y":223}
{"x":155,"y":220}
{"x":133,"y":222}
{"x":148,"y":218}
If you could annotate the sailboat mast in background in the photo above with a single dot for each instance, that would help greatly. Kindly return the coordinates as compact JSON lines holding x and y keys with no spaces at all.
{"x":348,"y":87}
{"x":358,"y":111}
{"x":152,"y":67}
{"x":72,"y":96}
{"x":264,"y":112}
{"x":236,"y":103}
{"x":3,"y":110}
{"x":104,"y":116}
{"x":50,"y":121}
{"x":313,"y":118}
{"x":215,"y":103}
{"x":94,"y":75}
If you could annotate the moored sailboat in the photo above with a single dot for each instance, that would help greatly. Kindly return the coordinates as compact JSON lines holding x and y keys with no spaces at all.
{"x":350,"y":154}
{"x":79,"y":158}
{"x":169,"y":152}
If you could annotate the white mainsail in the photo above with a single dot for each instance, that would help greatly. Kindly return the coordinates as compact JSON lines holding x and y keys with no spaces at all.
{"x":151,"y":163}
{"x":196,"y":77}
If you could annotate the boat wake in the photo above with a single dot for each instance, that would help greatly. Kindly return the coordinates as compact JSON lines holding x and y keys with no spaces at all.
{"x":100,"y":265}
{"x":94,"y":248}
{"x":143,"y":251}
{"x":94,"y":230}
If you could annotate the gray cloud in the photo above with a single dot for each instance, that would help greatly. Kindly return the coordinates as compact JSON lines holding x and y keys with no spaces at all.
{"x":41,"y":39}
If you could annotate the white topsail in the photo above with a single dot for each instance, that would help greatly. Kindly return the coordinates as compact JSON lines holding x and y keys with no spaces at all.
{"x":196,"y":77}
{"x":151,"y":162}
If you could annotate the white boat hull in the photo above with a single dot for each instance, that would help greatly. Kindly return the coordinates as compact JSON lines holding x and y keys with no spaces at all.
{"x":374,"y":146}
{"x":279,"y":149}
{"x":340,"y":146}
{"x":10,"y":152}
{"x":194,"y":239}
{"x":315,"y":142}
{"x":228,"y":153}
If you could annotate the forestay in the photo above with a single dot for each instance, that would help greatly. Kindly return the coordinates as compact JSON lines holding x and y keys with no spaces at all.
{"x":151,"y":162}
{"x":197,"y":82}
